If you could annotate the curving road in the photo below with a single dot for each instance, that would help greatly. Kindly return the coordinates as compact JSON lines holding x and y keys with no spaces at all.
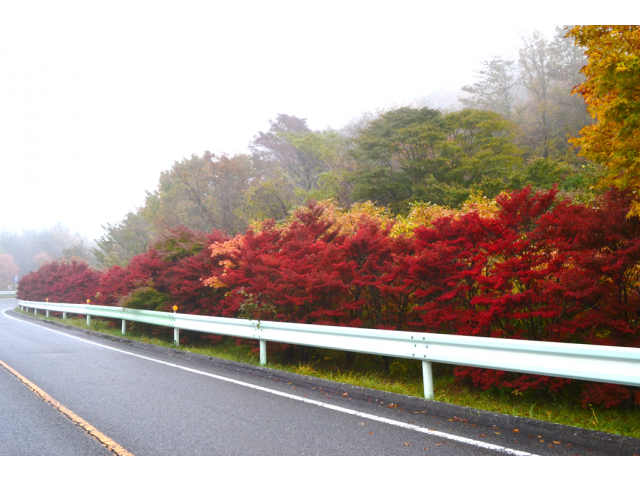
{"x":67,"y":392}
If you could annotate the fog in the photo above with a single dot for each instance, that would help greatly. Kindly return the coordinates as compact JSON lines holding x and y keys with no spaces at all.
{"x":95,"y":103}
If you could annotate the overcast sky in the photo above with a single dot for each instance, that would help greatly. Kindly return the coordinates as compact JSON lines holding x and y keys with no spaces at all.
{"x":96,"y":102}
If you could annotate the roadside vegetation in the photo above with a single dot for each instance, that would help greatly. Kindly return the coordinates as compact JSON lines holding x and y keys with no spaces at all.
{"x":404,"y":377}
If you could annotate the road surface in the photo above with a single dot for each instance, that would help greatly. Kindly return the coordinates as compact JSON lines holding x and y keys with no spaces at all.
{"x":69,"y":392}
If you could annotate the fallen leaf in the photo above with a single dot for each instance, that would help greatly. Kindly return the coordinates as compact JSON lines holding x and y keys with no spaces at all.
{"x":437,"y":444}
{"x":473,"y":425}
{"x":515,"y":430}
{"x":361,"y":424}
{"x":482,"y":435}
{"x":407,"y":444}
{"x":345,"y":394}
{"x":541,"y":441}
{"x":393,"y":405}
{"x":496,"y":433}
{"x":425,"y":448}
{"x":557,"y":443}
{"x":370,"y":433}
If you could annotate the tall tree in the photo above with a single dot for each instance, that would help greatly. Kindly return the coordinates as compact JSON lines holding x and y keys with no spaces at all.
{"x":203,"y":192}
{"x":409,"y":155}
{"x":536,"y":65}
{"x":8,"y":269}
{"x":273,"y":146}
{"x":496,"y":88}
{"x":123,"y":240}
{"x":334,"y":149}
{"x":612,"y":93}
{"x":549,"y":114}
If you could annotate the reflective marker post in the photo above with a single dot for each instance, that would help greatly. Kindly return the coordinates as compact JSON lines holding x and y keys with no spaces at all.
{"x":88,"y":316}
{"x":427,"y":377}
{"x":176,"y":331}
{"x":263,"y":352}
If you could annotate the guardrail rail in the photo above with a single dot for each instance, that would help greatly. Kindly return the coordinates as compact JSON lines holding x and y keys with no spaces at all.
{"x":619,"y":365}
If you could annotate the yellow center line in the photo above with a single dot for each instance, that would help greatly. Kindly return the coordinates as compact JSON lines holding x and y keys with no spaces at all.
{"x":90,"y":429}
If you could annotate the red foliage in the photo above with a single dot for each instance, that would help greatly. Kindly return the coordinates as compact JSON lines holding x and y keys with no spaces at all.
{"x":539,"y":271}
{"x":286,"y":274}
{"x":60,"y":282}
{"x":542,"y":269}
{"x":175,"y":264}
{"x":183,"y":275}
{"x":311,"y":273}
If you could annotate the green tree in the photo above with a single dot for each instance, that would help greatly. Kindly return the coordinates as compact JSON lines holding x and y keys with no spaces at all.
{"x":123,"y":240}
{"x":496,"y":88}
{"x":333,"y":149}
{"x":409,"y":155}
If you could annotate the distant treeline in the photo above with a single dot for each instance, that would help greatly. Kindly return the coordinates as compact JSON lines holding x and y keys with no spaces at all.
{"x":21,"y":253}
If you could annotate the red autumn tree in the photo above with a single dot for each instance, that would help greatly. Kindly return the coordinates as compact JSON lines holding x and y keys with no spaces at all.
{"x":61,"y":282}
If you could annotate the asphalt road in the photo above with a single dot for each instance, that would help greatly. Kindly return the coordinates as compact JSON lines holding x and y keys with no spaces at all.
{"x":152,"y":400}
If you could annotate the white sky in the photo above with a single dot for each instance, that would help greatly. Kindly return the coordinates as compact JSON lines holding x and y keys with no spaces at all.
{"x":96,"y":101}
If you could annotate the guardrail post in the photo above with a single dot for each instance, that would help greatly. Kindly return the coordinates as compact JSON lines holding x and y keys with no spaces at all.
{"x":427,"y":377}
{"x":64,"y":315}
{"x":124,"y":326}
{"x":263,"y":352}
{"x":176,"y":336}
{"x":46,"y":313}
{"x":35,"y":311}
{"x":88,"y":320}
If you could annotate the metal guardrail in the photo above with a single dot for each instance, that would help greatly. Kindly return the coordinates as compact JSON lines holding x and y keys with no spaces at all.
{"x":620,"y":365}
{"x":8,"y":292}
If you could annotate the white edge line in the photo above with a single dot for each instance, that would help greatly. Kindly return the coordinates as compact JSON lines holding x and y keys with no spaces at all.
{"x":427,"y":431}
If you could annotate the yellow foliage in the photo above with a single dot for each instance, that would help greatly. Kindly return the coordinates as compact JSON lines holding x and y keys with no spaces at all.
{"x":426,"y":213}
{"x":611,"y":91}
{"x":348,"y":222}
